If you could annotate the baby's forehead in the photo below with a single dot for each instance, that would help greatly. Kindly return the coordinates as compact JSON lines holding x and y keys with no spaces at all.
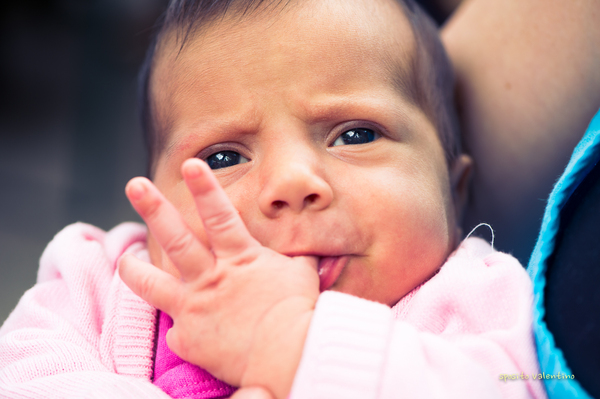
{"x":369,"y":27}
{"x":375,"y":33}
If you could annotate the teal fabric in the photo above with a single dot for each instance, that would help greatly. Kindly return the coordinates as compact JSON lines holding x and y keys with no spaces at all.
{"x":552,"y":361}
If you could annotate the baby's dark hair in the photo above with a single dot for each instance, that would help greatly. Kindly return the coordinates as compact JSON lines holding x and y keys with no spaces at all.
{"x":433,"y":74}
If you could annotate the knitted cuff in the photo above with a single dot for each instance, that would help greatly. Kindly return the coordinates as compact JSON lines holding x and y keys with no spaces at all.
{"x":345,"y":349}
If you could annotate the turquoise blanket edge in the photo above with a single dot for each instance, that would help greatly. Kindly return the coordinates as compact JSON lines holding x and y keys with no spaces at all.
{"x":552,"y":360}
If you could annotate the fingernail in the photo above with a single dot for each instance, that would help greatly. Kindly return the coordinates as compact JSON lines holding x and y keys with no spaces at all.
{"x":122,"y":259}
{"x":136,"y":190}
{"x":193,"y":170}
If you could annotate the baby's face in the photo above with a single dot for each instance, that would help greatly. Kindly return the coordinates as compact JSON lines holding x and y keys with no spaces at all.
{"x":315,"y":141}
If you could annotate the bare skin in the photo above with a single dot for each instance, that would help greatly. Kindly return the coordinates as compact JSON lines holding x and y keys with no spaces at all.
{"x":281,"y":96}
{"x":537,"y":108}
{"x":240,"y":310}
{"x":236,"y":250}
{"x":528,"y":84}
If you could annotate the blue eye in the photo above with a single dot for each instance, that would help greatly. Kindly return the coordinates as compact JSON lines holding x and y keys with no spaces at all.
{"x":225,"y":159}
{"x":356,"y":136}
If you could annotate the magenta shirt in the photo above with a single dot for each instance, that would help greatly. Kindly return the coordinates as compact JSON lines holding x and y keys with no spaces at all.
{"x":179,"y":378}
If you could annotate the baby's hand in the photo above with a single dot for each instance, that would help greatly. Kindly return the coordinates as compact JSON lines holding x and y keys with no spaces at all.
{"x":240,"y":310}
{"x":251,"y":393}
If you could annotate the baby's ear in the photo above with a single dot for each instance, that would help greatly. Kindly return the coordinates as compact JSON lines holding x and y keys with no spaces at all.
{"x":460,"y":180}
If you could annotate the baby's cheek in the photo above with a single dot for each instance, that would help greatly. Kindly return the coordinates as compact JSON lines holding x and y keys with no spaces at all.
{"x":159,"y":258}
{"x":426,"y":237}
{"x":191,"y":218}
{"x":182,"y":200}
{"x":168,"y":266}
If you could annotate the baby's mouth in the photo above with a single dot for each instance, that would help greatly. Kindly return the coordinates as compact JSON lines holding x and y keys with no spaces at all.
{"x":330,"y":268}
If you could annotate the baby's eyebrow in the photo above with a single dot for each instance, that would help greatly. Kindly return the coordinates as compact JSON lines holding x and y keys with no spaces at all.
{"x":178,"y":142}
{"x":334,"y":107}
{"x":182,"y":138}
{"x":176,"y":146}
{"x":342,"y":107}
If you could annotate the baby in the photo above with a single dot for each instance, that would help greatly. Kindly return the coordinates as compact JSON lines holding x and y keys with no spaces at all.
{"x":307,"y":187}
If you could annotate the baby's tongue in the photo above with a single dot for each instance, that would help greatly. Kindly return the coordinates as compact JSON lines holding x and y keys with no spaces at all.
{"x":330,"y":268}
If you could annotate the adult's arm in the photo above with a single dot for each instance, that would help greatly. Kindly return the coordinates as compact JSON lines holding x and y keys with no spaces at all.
{"x":528,"y":75}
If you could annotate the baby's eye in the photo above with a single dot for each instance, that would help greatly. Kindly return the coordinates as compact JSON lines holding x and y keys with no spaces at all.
{"x":224,"y":159}
{"x":356,"y":136}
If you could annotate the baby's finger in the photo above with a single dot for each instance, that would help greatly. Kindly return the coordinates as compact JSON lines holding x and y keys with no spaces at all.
{"x":252,"y":393}
{"x":165,"y":222}
{"x":224,"y":226}
{"x":153,"y":285}
{"x":311,"y":261}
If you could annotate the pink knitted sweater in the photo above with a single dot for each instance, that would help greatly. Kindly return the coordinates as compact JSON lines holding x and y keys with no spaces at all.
{"x":80,"y":332}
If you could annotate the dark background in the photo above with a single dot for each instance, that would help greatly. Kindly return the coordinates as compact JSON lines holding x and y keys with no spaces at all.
{"x":69,"y":135}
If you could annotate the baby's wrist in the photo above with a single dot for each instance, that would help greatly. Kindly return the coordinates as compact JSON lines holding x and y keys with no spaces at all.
{"x":278,"y":346}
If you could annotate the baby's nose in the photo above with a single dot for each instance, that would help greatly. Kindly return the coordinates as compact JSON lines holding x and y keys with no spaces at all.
{"x":296,"y":188}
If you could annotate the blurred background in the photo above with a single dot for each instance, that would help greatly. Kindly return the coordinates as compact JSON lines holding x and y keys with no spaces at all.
{"x":69,"y":137}
{"x":69,"y":134}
